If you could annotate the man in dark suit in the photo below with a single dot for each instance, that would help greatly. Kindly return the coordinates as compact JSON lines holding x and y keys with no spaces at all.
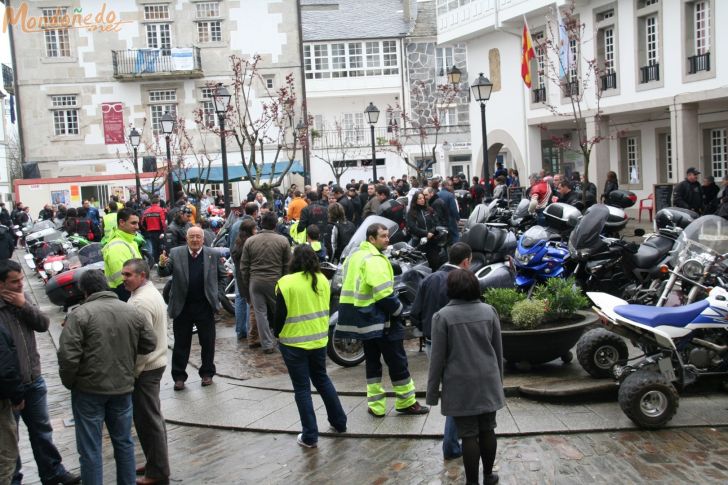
{"x":197,"y":273}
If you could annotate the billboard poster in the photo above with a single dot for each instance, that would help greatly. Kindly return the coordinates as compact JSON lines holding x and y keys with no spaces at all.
{"x":113,"y":115}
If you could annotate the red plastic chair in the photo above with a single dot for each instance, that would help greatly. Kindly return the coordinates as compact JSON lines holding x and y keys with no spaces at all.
{"x":648,"y":205}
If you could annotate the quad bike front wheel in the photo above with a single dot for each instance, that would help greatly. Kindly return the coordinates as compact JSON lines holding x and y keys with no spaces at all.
{"x":648,"y":399}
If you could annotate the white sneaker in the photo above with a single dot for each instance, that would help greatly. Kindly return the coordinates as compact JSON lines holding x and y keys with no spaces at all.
{"x":299,"y":440}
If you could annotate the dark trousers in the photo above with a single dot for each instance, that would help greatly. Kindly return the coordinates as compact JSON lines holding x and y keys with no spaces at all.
{"x":182,"y":328}
{"x":36,"y":419}
{"x":153,"y":238}
{"x":394,"y":356}
{"x":149,"y":423}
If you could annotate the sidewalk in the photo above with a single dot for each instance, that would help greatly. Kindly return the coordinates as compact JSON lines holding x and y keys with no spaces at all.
{"x":260,"y":398}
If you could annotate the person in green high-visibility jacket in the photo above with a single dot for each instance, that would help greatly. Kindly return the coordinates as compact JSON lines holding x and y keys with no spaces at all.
{"x":302,"y":326}
{"x":110,"y":222}
{"x":120,"y":248}
{"x":366,"y":307}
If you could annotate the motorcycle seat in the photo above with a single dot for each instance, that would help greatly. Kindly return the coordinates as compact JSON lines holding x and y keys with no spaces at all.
{"x":651,"y":252}
{"x":657,"y":316}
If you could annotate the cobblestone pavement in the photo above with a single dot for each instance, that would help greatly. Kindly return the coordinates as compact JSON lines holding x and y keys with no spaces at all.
{"x":201,"y":455}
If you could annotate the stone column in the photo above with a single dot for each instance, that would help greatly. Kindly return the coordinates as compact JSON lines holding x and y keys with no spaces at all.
{"x":534,"y":159}
{"x":600,"y":161}
{"x":685,"y":136}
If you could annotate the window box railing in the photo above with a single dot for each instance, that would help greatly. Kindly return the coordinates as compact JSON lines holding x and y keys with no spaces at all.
{"x":609,"y":81}
{"x":650,"y":73}
{"x":360,"y":136}
{"x":571,"y":89}
{"x":700,"y":62}
{"x":146,"y":63}
{"x":539,"y":95}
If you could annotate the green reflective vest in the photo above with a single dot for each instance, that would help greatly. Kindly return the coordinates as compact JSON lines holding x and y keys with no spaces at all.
{"x":110,"y":223}
{"x":368,"y":277}
{"x":307,"y":321}
{"x":299,"y":237}
{"x":121,"y":248}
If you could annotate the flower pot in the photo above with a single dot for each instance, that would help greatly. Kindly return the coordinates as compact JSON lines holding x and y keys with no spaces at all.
{"x":529,"y":347}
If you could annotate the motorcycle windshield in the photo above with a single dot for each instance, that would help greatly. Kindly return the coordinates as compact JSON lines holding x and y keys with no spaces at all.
{"x":39,"y":226}
{"x":361,"y":233}
{"x":522,"y":209}
{"x":707,"y":235}
{"x":90,"y":254}
{"x":533,"y":236}
{"x":586,"y":234}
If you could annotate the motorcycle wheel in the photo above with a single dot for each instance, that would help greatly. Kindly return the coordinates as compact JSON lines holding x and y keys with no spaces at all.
{"x":598,"y":350}
{"x":227,"y":304}
{"x":346,"y":352}
{"x":648,"y":399}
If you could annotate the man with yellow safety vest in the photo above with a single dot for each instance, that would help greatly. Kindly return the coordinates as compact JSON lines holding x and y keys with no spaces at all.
{"x":302,"y":326}
{"x":120,"y":248}
{"x":109,"y":221}
{"x":366,"y":306}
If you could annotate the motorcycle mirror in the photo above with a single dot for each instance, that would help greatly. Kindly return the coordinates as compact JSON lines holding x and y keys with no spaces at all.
{"x":639,"y":232}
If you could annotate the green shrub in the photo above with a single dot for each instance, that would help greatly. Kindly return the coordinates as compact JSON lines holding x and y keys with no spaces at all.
{"x":528,"y":314}
{"x":563,"y":297}
{"x":503,"y":299}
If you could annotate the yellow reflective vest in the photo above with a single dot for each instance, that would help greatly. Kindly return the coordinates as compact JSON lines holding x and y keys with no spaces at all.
{"x":307,"y":320}
{"x":368,"y":277}
{"x":110,"y":223}
{"x":121,"y":248}
{"x":299,"y":237}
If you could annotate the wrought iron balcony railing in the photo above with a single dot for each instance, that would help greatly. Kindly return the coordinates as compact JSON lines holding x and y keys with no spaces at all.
{"x":699,"y":63}
{"x":157,"y":63}
{"x":609,"y":81}
{"x":650,"y":73}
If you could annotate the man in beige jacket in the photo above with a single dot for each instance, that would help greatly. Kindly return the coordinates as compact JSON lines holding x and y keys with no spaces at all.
{"x":148,"y":419}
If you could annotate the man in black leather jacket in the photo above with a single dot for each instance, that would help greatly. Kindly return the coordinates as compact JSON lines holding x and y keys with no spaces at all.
{"x":688,"y":194}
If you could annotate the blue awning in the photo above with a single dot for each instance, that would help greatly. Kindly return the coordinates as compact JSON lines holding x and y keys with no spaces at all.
{"x":237,"y":173}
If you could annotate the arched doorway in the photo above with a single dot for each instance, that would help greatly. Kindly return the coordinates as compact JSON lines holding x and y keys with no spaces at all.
{"x":497,"y":141}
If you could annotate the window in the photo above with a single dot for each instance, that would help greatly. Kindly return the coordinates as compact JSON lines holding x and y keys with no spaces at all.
{"x":445,"y":60}
{"x":540,"y":61}
{"x":701,"y":17}
{"x":56,"y":40}
{"x":448,"y":117}
{"x":156,"y":12}
{"x":652,"y":49}
{"x":668,"y":156}
{"x":269,"y":81}
{"x":65,"y":114}
{"x":353,"y":127}
{"x":351,"y":59}
{"x":209,"y":30}
{"x":633,"y":174}
{"x":609,"y":50}
{"x":159,"y":37}
{"x":209,"y":116}
{"x":719,"y":152}
{"x":162,"y":101}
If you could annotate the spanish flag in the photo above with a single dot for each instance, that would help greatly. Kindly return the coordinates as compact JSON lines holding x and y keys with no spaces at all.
{"x":526,"y":55}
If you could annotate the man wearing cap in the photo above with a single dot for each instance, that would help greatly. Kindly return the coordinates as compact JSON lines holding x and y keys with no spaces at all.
{"x":346,"y":204}
{"x":688,"y":194}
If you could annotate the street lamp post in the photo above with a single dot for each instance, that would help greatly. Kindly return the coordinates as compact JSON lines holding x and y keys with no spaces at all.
{"x":135,"y":138}
{"x":221,"y":98}
{"x":454,"y":76}
{"x":481,"y":92}
{"x":168,"y":123}
{"x":372,"y":117}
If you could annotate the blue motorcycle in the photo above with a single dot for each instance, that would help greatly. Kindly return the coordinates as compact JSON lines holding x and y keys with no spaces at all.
{"x":542,"y":251}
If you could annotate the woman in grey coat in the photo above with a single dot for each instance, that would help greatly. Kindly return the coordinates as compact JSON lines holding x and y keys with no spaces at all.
{"x":467,"y":358}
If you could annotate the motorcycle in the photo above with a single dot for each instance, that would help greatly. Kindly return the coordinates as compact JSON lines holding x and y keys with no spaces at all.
{"x":492,"y":246}
{"x":680,"y":345}
{"x":697,"y":262}
{"x":62,"y":289}
{"x":409,"y":267}
{"x":541,"y":252}
{"x":617,"y":220}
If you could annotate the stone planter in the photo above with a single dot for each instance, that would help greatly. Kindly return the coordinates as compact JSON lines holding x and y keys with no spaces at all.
{"x":525,"y":348}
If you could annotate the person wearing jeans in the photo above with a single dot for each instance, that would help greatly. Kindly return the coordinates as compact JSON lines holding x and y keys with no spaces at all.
{"x":91,"y":412}
{"x":302,"y":325}
{"x":97,"y":355}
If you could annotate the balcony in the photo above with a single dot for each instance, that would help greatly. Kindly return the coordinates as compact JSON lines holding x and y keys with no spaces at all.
{"x":539,"y":95}
{"x":571,"y":89}
{"x":609,"y":81}
{"x":155,"y":64}
{"x":360,"y":137}
{"x":650,"y":73}
{"x":699,"y":63}
{"x":8,"y":82}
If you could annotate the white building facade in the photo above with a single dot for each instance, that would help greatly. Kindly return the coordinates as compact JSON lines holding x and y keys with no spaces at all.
{"x":660,"y":70}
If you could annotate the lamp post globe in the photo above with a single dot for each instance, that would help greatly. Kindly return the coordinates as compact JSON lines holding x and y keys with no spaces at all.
{"x":134,"y":140}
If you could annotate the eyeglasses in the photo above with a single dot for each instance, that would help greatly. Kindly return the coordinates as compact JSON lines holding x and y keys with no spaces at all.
{"x":109,"y":107}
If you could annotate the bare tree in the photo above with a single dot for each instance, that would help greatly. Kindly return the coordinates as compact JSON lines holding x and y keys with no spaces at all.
{"x":14,"y":162}
{"x":336,"y":152}
{"x":258,"y":115}
{"x":423,"y":124}
{"x":578,"y":76}
{"x":152,"y":147}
